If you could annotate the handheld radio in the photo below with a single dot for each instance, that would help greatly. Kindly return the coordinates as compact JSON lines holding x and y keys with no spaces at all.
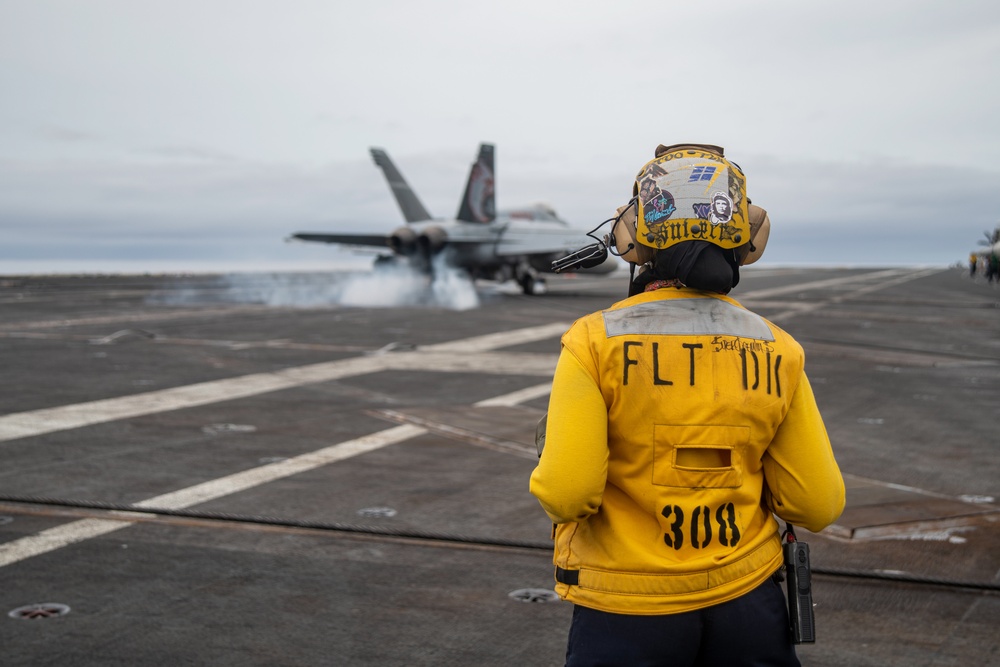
{"x":799,"y":579}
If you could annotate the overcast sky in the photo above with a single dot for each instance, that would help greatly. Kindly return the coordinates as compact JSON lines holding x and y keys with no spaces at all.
{"x":148,"y":131}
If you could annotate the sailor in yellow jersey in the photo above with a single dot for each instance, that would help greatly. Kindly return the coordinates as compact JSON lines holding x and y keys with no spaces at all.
{"x":679,"y":424}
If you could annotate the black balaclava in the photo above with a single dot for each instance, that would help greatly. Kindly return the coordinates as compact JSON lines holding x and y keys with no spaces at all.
{"x":698,"y":264}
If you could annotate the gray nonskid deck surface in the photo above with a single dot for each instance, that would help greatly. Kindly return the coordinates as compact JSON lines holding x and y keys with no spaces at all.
{"x":196,"y":477}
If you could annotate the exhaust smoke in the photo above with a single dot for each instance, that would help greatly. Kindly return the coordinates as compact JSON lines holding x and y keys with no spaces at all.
{"x":383,"y":286}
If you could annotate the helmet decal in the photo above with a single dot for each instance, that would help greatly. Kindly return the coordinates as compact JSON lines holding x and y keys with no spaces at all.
{"x":722,"y":208}
{"x":661,"y":205}
{"x":688,"y":195}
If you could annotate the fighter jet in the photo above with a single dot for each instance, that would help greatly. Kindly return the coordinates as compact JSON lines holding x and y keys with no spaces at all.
{"x":506,"y":245}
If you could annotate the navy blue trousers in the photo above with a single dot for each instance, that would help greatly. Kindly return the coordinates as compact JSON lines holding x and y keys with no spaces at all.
{"x":751,"y":630}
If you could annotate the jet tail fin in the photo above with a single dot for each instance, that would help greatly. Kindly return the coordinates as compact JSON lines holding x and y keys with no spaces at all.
{"x":411,"y":207}
{"x":478,"y":203}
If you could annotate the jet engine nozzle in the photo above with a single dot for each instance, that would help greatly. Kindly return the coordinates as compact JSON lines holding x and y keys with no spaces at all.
{"x":403,"y":241}
{"x":432,"y":240}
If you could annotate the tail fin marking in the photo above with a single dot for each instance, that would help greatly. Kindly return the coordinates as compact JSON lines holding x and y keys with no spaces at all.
{"x":478,"y":204}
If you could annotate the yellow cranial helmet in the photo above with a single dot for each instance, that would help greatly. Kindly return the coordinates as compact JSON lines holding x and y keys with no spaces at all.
{"x":691,"y":192}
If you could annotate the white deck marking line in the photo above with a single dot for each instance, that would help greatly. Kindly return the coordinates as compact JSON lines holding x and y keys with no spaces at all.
{"x":138,"y":317}
{"x":203,"y":393}
{"x":819,"y":284}
{"x":56,"y":538}
{"x":891,"y":281}
{"x":501,"y":339}
{"x":487,"y":363}
{"x":77,"y":531}
{"x":203,"y":342}
{"x":516,"y":397}
{"x":49,"y":420}
{"x":248,"y":479}
{"x":450,"y":357}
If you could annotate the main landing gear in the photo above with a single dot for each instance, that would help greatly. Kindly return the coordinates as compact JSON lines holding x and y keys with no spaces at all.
{"x":531,"y":283}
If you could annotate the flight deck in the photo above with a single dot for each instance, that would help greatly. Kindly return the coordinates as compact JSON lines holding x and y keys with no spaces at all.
{"x":220,"y":470}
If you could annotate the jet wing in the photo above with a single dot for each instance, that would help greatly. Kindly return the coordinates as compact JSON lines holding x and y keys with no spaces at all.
{"x":409,"y":204}
{"x":347,"y":238}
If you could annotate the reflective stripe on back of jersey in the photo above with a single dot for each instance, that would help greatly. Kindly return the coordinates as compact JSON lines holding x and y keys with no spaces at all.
{"x":693,"y":317}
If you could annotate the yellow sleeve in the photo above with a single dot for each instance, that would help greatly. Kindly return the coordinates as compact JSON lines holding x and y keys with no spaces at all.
{"x":572,"y":471}
{"x":804,"y":484}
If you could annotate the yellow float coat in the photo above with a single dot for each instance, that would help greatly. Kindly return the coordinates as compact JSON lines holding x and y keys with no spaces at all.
{"x":678,"y":422}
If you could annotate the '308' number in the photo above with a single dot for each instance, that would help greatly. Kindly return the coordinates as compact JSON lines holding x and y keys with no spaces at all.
{"x":700,"y":528}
